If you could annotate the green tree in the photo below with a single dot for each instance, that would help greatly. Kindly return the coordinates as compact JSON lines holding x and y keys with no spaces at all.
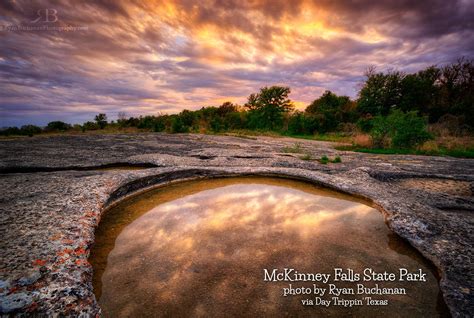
{"x":30,"y":130}
{"x":236,"y":120}
{"x":420,"y":90}
{"x":381,"y":92}
{"x":57,"y":126}
{"x":229,"y":117}
{"x":296,"y":124}
{"x":226,"y":108}
{"x":162,"y":123}
{"x":90,"y":125}
{"x":188,"y":118}
{"x":268,"y":107}
{"x":101,"y":120}
{"x":122,"y":119}
{"x":146,"y":122}
{"x":253,"y":102}
{"x":301,"y":123}
{"x":10,"y":131}
{"x":178,"y":125}
{"x":217,"y":124}
{"x":433,"y":92}
{"x":331,"y":110}
{"x":456,"y":91}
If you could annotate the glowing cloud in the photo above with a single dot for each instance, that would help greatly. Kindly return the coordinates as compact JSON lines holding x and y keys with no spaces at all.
{"x":164,"y":56}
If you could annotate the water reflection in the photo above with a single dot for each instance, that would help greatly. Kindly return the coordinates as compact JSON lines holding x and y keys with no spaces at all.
{"x":199,"y":249}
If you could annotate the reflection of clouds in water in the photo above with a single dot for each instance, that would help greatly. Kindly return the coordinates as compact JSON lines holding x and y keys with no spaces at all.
{"x":207,"y":250}
{"x":236,"y":207}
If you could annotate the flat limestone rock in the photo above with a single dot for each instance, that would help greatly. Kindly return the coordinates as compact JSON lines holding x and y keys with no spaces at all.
{"x":55,"y":188}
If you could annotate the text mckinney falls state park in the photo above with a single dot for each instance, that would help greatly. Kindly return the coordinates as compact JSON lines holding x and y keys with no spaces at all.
{"x":348,"y":275}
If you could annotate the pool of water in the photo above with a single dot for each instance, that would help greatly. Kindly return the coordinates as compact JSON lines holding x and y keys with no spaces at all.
{"x":200,"y":248}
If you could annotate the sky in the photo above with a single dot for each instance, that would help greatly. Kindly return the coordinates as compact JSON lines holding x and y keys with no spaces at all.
{"x":69,"y":60}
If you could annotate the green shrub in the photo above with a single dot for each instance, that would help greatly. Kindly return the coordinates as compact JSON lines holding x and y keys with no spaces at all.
{"x":178,"y":126}
{"x":296,"y":124}
{"x":409,"y":130}
{"x":10,"y":131}
{"x":324,"y":160}
{"x":365,"y":124}
{"x":161,"y":123}
{"x":90,"y":125}
{"x":217,"y":124}
{"x":399,"y":130}
{"x":380,"y":132}
{"x":30,"y":130}
{"x":146,"y":122}
{"x":337,"y":159}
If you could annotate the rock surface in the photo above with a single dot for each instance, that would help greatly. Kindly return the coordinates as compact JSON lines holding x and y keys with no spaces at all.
{"x":55,"y":188}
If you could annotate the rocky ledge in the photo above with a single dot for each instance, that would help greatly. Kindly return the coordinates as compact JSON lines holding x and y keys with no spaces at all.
{"x":55,"y":188}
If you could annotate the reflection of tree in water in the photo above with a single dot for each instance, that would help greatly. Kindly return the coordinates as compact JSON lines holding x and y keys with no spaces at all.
{"x":205,"y":253}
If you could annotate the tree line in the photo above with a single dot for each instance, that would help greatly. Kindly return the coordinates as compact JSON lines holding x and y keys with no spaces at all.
{"x":392,"y":106}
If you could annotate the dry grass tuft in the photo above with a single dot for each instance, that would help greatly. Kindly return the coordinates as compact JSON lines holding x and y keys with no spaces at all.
{"x":362,"y":140}
{"x":430,"y":146}
{"x":452,"y":142}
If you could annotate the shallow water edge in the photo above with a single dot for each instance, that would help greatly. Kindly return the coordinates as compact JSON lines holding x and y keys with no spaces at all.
{"x":166,"y":194}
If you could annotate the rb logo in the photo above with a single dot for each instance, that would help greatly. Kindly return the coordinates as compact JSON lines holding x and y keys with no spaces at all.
{"x":46,"y":15}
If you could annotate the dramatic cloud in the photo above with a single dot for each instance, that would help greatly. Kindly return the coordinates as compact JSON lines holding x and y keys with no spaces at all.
{"x":65,"y":60}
